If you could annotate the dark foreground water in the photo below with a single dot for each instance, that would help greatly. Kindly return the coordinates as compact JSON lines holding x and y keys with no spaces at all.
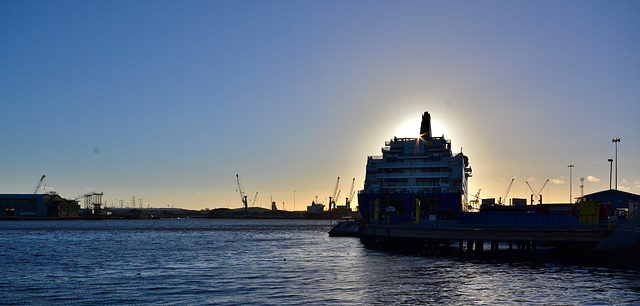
{"x":188,"y":261}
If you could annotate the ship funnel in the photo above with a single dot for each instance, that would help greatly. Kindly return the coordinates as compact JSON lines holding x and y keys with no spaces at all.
{"x":425,"y":127}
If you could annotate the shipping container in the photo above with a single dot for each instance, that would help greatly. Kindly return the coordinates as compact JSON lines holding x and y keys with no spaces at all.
{"x":518,"y":201}
{"x":491,"y":201}
{"x":571,"y":209}
{"x":604,"y":211}
{"x":588,"y":212}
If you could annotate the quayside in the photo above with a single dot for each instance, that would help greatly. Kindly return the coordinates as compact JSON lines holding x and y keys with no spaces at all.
{"x":416,"y":196}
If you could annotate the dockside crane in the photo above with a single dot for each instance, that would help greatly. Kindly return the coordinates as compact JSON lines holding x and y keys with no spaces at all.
{"x":35,"y":191}
{"x":332,"y":199}
{"x":351,"y":194}
{"x":253,"y":204}
{"x":243,"y":197}
{"x":534,"y":194}
{"x":475,"y":202}
{"x":503,"y":200}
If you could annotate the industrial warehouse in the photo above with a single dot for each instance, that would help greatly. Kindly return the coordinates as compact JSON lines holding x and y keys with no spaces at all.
{"x":37,"y":206}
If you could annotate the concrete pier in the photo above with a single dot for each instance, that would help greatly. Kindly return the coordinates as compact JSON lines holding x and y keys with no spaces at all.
{"x":523,"y":240}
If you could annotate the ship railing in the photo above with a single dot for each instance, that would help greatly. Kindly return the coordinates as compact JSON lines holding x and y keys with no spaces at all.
{"x":416,"y":175}
{"x":416,"y":158}
{"x":414,"y":164}
{"x":391,"y":190}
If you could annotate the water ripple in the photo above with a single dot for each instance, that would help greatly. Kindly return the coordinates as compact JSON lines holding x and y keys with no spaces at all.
{"x":267,"y":262}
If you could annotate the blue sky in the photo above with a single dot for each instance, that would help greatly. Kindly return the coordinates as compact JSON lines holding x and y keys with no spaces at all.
{"x":169,"y":100}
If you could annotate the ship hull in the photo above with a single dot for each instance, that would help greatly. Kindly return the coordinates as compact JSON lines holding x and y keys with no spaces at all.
{"x":403,"y":207}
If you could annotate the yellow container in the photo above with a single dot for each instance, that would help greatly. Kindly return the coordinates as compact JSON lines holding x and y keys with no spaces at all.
{"x":588,"y":212}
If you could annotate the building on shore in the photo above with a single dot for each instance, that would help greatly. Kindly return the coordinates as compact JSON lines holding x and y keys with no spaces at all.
{"x":613,"y":202}
{"x":37,"y":206}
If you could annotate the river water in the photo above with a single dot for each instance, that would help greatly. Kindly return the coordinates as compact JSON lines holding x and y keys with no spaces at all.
{"x":268,"y":262}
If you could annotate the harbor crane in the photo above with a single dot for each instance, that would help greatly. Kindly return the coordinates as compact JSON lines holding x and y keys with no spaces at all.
{"x":243,"y":197}
{"x":332,"y":199}
{"x":534,"y":194}
{"x":475,"y":202}
{"x":503,"y":200}
{"x":253,"y":204}
{"x":40,"y":183}
{"x":351,"y":194}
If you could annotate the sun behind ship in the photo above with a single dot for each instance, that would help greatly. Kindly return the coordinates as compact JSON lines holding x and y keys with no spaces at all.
{"x":415,"y":176}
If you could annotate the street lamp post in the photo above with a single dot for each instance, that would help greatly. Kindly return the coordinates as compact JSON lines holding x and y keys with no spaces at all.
{"x":570,"y":182}
{"x":616,"y":140}
{"x":610,"y":170}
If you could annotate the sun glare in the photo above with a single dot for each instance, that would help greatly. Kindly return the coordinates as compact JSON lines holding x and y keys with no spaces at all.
{"x":411,"y":128}
{"x":437,"y":129}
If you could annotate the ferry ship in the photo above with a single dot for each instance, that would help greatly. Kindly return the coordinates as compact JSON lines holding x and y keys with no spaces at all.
{"x":415,"y":195}
{"x":415,"y":178}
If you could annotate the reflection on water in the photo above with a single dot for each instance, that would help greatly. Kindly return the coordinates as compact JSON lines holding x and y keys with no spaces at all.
{"x":189,"y":261}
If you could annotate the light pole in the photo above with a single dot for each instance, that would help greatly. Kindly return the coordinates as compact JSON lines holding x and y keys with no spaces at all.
{"x":616,"y":140}
{"x":610,"y":170}
{"x":570,"y":179}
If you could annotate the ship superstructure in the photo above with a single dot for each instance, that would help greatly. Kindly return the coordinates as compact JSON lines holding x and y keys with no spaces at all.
{"x":415,"y":176}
